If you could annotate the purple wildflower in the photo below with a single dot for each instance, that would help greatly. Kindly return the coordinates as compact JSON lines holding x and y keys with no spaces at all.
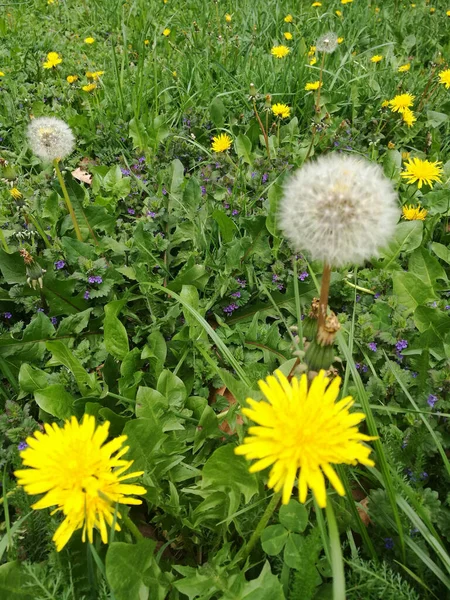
{"x":22,"y":446}
{"x":230,"y":308}
{"x":377,"y":295}
{"x":226,"y":205}
{"x":234,"y":212}
{"x":373,"y":346}
{"x":274,"y":277}
{"x":236,"y":295}
{"x":265,"y":177}
{"x":125,"y":171}
{"x":447,"y":307}
{"x":241,"y":282}
{"x":151,"y":214}
{"x":303,"y":275}
{"x":401,"y":345}
{"x":7,"y":315}
{"x":60,"y":264}
{"x":40,"y":310}
{"x":164,"y":191}
{"x":431,"y":400}
{"x":54,"y":321}
{"x":131,"y":211}
{"x":203,"y":189}
{"x":87,"y":295}
{"x":388,"y":543}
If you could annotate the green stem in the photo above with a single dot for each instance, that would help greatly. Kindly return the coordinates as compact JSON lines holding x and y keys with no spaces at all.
{"x":298,"y":305}
{"x":259,"y":528}
{"x":358,"y":287}
{"x":337,"y":564}
{"x":132,"y":528}
{"x":67,"y":200}
{"x":39,"y":230}
{"x":3,"y":241}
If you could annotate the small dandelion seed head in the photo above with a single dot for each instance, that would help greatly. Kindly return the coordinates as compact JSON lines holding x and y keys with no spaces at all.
{"x":328,"y":42}
{"x":50,"y":138}
{"x":341,"y":209}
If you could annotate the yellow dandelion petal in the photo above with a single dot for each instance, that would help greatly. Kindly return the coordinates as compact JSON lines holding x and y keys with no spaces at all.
{"x":221,"y":142}
{"x":422,"y":171}
{"x":15,"y":193}
{"x":280,"y":51}
{"x":303,"y":432}
{"x":400,"y":102}
{"x":414,"y":213}
{"x":2,"y":74}
{"x":316,"y":4}
{"x":339,"y":13}
{"x":377,"y":58}
{"x":72,"y":78}
{"x":404,"y":68}
{"x":288,"y":19}
{"x":166,"y":32}
{"x":228,"y":18}
{"x":90,"y":87}
{"x":346,"y":1}
{"x":313,"y":85}
{"x":287,"y":35}
{"x":281,"y":110}
{"x":408,"y":117}
{"x":79,"y":475}
{"x":444,"y":78}
{"x":89,"y":40}
{"x":53,"y":59}
{"x":340,"y":40}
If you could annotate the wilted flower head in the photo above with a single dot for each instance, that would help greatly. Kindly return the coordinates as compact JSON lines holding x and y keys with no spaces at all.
{"x":50,"y":138}
{"x":328,"y":42}
{"x":341,"y":209}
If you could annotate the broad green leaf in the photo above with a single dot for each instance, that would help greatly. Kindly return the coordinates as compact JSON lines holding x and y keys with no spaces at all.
{"x":171,"y":386}
{"x":125,"y":567}
{"x":441,"y":251}
{"x":74,"y":323}
{"x":410,"y":290}
{"x":217,"y":112}
{"x":294,"y":551}
{"x":150,"y":404}
{"x":55,"y":400}
{"x":244,"y":148}
{"x":436,"y":119}
{"x":12,"y":267}
{"x":177,"y":176}
{"x":227,"y":227}
{"x":196,"y":275}
{"x":266,"y":587}
{"x":31,"y":378}
{"x":407,"y":237}
{"x":75,"y":250}
{"x":426,"y":267}
{"x":392,"y":164}
{"x":116,"y":337}
{"x":145,"y":437}
{"x":273,"y":538}
{"x":61,"y":354}
{"x":13,"y":582}
{"x":294,"y":516}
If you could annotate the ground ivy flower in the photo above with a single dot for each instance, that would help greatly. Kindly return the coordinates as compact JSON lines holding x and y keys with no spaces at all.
{"x":431,"y":400}
{"x":89,"y":40}
{"x":50,"y":138}
{"x":414,"y":213}
{"x":373,"y":346}
{"x":340,"y":208}
{"x":281,"y":110}
{"x":80,"y":475}
{"x":313,"y":85}
{"x":221,"y":142}
{"x":444,"y":78}
{"x":15,"y":193}
{"x":422,"y":171}
{"x":400,"y":102}
{"x":377,"y":58}
{"x":280,"y":51}
{"x":53,"y":59}
{"x":303,"y":431}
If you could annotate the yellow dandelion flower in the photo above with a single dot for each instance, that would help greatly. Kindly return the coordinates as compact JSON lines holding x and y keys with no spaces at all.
{"x":72,"y":78}
{"x":391,"y":145}
{"x":385,"y":104}
{"x":166,"y":32}
{"x":95,"y":75}
{"x":287,"y":35}
{"x":174,"y":73}
{"x":340,"y":40}
{"x":313,"y":85}
{"x":405,"y":156}
{"x":316,"y":4}
{"x":422,"y":171}
{"x":53,"y":59}
{"x":404,"y":68}
{"x":376,"y":59}
{"x":89,"y":40}
{"x":280,"y":51}
{"x":414,"y":213}
{"x":444,"y":78}
{"x":311,"y":51}
{"x":50,"y":1}
{"x":303,"y":431}
{"x":346,"y":1}
{"x":432,"y":11}
{"x":313,"y":61}
{"x":90,"y":87}
{"x":80,"y":475}
{"x":2,"y":74}
{"x":288,"y":19}
{"x":400,"y":102}
{"x":408,"y":117}
{"x":281,"y":110}
{"x":146,"y":42}
{"x":221,"y":142}
{"x":15,"y":193}
{"x":228,"y":18}
{"x":339,"y":13}
{"x":448,"y":13}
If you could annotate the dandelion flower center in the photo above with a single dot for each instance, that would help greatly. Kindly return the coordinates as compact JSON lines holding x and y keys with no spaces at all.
{"x":303,"y":431}
{"x":414,"y":213}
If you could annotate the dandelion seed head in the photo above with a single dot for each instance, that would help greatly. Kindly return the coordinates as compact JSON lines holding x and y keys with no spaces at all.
{"x":341,"y":209}
{"x":50,"y":138}
{"x":328,"y":42}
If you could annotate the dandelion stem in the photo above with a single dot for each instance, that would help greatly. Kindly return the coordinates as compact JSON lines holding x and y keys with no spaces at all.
{"x":132,"y":528}
{"x":67,"y":200}
{"x":259,"y":528}
{"x":337,"y":564}
{"x":324,"y":291}
{"x":40,"y":230}
{"x":261,"y":126}
{"x":320,"y":83}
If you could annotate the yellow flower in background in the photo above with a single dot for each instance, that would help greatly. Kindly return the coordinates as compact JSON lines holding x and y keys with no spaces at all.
{"x":280,"y":51}
{"x":408,"y":117}
{"x":414,"y":213}
{"x":385,"y":104}
{"x":448,"y":13}
{"x":288,"y":19}
{"x":339,"y":13}
{"x":444,"y":78}
{"x":432,"y":10}
{"x":406,"y":155}
{"x":313,"y":85}
{"x":311,"y":51}
{"x":15,"y":193}
{"x":53,"y":59}
{"x":72,"y":78}
{"x":174,"y":73}
{"x":340,"y":40}
{"x":228,"y":18}
{"x":90,"y":87}
{"x":221,"y":142}
{"x":146,"y":42}
{"x":313,"y":61}
{"x":391,"y":145}
{"x":315,"y":4}
{"x":376,"y":59}
{"x":287,"y":35}
{"x":95,"y":75}
{"x":2,"y":74}
{"x":89,"y":40}
{"x":80,"y":475}
{"x":422,"y":171}
{"x":346,"y":1}
{"x":166,"y":32}
{"x":281,"y":110}
{"x":404,"y":68}
{"x":401,"y":101}
{"x":303,"y":431}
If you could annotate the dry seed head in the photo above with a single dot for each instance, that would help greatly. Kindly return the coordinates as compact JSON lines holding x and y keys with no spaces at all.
{"x":50,"y":138}
{"x":328,"y":42}
{"x":341,"y":209}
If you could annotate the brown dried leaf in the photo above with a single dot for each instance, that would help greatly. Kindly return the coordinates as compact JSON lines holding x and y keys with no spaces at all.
{"x":83,"y":176}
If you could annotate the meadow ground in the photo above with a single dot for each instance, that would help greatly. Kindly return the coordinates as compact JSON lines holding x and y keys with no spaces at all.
{"x":159,"y":261}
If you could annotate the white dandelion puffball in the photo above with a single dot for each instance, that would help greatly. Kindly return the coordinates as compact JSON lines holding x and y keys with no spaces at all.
{"x":341,"y":209}
{"x":328,"y":42}
{"x":50,"y":138}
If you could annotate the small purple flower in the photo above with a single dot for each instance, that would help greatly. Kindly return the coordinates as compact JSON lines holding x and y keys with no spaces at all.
{"x":424,"y":475}
{"x":40,"y":310}
{"x":447,"y":307}
{"x":234,"y":212}
{"x":373,"y":346}
{"x":7,"y":315}
{"x":151,"y":214}
{"x":364,"y":368}
{"x":230,"y":308}
{"x":130,"y":211}
{"x":22,"y":446}
{"x":388,"y":543}
{"x":60,"y":264}
{"x":414,"y":374}
{"x":229,"y":191}
{"x":125,"y":171}
{"x":303,"y":275}
{"x":405,"y":443}
{"x":377,"y":295}
{"x":265,"y":177}
{"x":274,"y":277}
{"x":54,"y":321}
{"x":280,"y":286}
{"x":236,"y":295}
{"x":87,"y":295}
{"x":358,"y":297}
{"x":401,"y":345}
{"x":241,"y":282}
{"x":203,"y":189}
{"x":433,"y":304}
{"x":431,"y":400}
{"x":164,"y":191}
{"x":226,"y":205}
{"x":253,"y":174}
